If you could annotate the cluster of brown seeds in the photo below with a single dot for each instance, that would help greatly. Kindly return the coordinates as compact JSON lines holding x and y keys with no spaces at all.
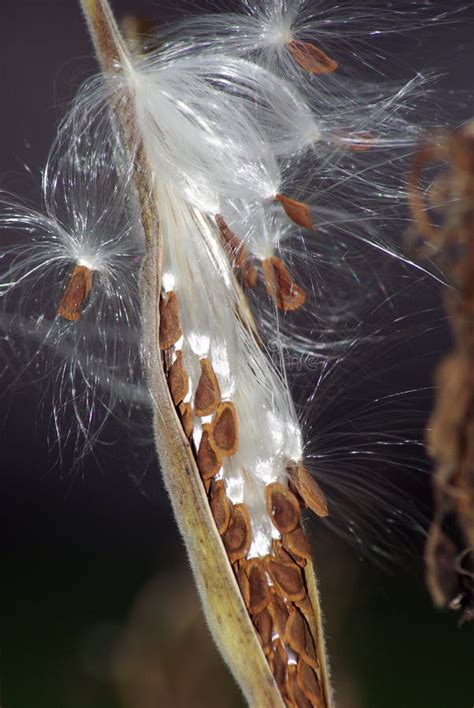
{"x":278,"y":281}
{"x":274,"y":587}
{"x":219,"y":438}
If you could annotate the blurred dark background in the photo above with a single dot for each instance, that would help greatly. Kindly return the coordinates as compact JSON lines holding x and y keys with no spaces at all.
{"x":97,"y":606}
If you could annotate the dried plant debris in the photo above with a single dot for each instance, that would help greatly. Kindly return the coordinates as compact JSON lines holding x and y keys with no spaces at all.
{"x":450,"y":433}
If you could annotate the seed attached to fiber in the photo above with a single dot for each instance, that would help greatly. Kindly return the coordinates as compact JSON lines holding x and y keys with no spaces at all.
{"x":238,"y":537}
{"x":208,"y":460}
{"x":259,"y":589}
{"x":296,"y":211}
{"x":233,"y":245}
{"x":76,"y":293}
{"x":311,"y":58}
{"x":280,"y":285}
{"x":187,"y":418}
{"x":249,"y":274}
{"x":297,"y":544}
{"x":287,"y":579}
{"x":221,"y":506}
{"x":208,"y":393}
{"x":177,"y":379}
{"x":309,"y":490}
{"x":170,"y":327}
{"x":282,"y":507}
{"x":224,"y":433}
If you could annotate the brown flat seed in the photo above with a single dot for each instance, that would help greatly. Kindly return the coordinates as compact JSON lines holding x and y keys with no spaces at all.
{"x":225,"y":429}
{"x":296,"y":211}
{"x":279,"y":613}
{"x":295,"y":693}
{"x":238,"y":537}
{"x":187,"y":418}
{"x":76,"y":293}
{"x":279,"y":662}
{"x":264,"y":624}
{"x":309,"y":683}
{"x":209,"y":461}
{"x":287,"y":579}
{"x":309,"y":490}
{"x":242,"y":579}
{"x":292,"y":689}
{"x":280,"y":285}
{"x":299,"y":698}
{"x":221,"y":506}
{"x":208,"y":393}
{"x":281,"y":556}
{"x":170,"y":327}
{"x":298,"y":636}
{"x":178,"y":380}
{"x":296,"y":543}
{"x":295,"y":633}
{"x":282,"y":507}
{"x":233,"y":245}
{"x":249,"y":274}
{"x":259,"y":590}
{"x":311,"y":58}
{"x":306,"y":607}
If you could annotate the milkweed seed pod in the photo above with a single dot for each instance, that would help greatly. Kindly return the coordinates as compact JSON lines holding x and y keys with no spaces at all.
{"x":184,"y":188}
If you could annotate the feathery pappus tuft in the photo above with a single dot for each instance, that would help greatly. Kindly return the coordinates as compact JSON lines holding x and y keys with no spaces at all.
{"x":70,"y":282}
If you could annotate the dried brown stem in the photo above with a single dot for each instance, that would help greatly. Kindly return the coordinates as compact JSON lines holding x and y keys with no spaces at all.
{"x":450,"y":435}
